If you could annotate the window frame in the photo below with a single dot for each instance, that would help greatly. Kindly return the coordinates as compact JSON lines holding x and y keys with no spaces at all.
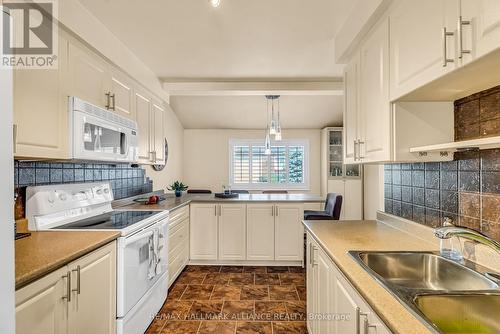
{"x":270,"y":186}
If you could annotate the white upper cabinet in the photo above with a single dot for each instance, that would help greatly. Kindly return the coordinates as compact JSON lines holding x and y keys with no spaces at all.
{"x":41,"y":110}
{"x":143,"y":116}
{"x":88,"y":76}
{"x":351,"y":100}
{"x":420,"y":51}
{"x":480,"y":27}
{"x":121,"y":94}
{"x":375,"y":118}
{"x":158,"y":112}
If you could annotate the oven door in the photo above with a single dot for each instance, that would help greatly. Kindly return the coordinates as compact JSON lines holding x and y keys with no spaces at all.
{"x":142,"y":259}
{"x":98,"y":139}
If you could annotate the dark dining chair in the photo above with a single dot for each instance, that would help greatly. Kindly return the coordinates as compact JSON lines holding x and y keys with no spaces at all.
{"x":240,"y":192}
{"x":275,"y":192}
{"x":199,"y":191}
{"x":333,"y":206}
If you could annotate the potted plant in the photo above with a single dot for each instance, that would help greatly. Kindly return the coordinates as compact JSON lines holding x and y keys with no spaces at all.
{"x":178,"y":187}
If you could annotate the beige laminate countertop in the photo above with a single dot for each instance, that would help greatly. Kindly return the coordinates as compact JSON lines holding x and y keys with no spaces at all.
{"x":338,"y":238}
{"x":44,"y":252}
{"x":172,"y":203}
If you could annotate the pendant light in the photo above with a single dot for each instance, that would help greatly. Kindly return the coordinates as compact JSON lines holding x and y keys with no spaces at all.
{"x":277,"y":136}
{"x":272,"y":129}
{"x":267,"y":141}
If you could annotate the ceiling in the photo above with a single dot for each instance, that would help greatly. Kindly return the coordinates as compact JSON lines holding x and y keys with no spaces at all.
{"x":249,"y":112}
{"x":240,"y":41}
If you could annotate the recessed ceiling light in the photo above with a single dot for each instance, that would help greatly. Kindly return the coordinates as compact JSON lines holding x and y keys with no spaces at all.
{"x":215,"y":3}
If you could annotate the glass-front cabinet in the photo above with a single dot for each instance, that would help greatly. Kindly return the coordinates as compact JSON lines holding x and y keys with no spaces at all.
{"x":336,"y":166}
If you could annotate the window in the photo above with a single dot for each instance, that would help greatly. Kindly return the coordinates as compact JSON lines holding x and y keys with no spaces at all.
{"x":285,"y":168}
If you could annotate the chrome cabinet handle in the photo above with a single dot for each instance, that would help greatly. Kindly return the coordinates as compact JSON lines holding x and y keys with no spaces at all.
{"x":78,"y":286}
{"x":68,"y":287}
{"x":360,"y":157}
{"x":461,"y":24}
{"x":446,"y":34}
{"x":215,"y":210}
{"x":355,"y":150}
{"x":272,"y":211}
{"x":112,"y":96}
{"x":108,"y":100}
{"x":358,"y":320}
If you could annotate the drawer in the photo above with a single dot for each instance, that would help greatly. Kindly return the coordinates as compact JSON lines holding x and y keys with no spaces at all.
{"x":177,"y":263}
{"x":178,"y":235}
{"x":178,"y":216}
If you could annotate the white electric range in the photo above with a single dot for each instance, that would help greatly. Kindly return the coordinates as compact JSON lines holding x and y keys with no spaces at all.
{"x":142,"y":250}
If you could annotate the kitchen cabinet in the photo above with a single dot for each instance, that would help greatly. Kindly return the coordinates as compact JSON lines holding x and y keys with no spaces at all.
{"x":150,"y":124}
{"x":352,"y":197}
{"x":203,"y":232}
{"x":178,"y":242}
{"x":232,"y":231}
{"x":260,"y":231}
{"x":352,"y":129}
{"x":480,"y":28}
{"x":77,"y":298}
{"x":374,"y":142}
{"x":332,"y":297}
{"x":241,"y":232}
{"x":419,"y":47}
{"x":288,"y":232}
{"x":41,"y":110}
{"x":96,"y":81}
{"x":93,"y":305}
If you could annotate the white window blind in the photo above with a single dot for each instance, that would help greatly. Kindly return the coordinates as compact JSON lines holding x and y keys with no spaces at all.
{"x":285,"y":168}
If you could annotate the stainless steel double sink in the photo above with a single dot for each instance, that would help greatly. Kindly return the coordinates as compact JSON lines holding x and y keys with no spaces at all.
{"x":447,"y":296}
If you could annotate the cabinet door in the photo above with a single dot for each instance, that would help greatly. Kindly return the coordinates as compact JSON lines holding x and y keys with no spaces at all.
{"x":143,"y":114}
{"x":312,"y":285}
{"x":260,"y":232}
{"x":417,"y":42}
{"x":325,"y":293}
{"x":203,"y":232}
{"x":288,"y":232}
{"x":41,"y":111}
{"x":89,"y":76}
{"x":40,"y":307}
{"x":122,"y":101}
{"x":351,"y":120}
{"x":482,"y":35}
{"x":232,"y":232}
{"x":93,"y":307}
{"x":158,"y":135}
{"x":375,"y":144}
{"x":345,"y":304}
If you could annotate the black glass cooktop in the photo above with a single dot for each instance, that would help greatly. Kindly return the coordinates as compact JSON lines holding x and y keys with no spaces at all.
{"x":115,"y":220}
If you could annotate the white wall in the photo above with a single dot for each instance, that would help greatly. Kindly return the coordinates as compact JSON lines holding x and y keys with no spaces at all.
{"x":206,"y":155}
{"x":174,"y":132}
{"x":7,"y":286}
{"x":373,"y":190}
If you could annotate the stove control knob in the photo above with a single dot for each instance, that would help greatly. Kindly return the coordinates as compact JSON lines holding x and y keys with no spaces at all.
{"x":106,"y":190}
{"x":63,"y":197}
{"x":99,"y":191}
{"x":51,"y":198}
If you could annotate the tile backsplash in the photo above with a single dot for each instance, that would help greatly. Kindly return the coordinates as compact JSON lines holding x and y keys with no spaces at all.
{"x":466,"y":189}
{"x":125,"y":180}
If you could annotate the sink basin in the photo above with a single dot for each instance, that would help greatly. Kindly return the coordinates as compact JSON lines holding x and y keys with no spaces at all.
{"x":424,"y":271}
{"x":462,"y":313}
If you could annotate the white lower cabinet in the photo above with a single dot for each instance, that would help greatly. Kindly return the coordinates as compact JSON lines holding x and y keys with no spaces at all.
{"x":203,"y":235}
{"x":260,"y":232}
{"x":241,"y":232}
{"x":78,"y":298}
{"x":178,"y":243}
{"x":232,"y":231}
{"x":288,"y":232}
{"x":333,"y":305}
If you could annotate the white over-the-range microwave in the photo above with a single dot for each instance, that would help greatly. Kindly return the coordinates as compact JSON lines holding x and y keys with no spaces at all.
{"x":97,"y":134}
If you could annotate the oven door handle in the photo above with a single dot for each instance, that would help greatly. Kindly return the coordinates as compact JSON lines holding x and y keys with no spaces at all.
{"x":138,"y":236}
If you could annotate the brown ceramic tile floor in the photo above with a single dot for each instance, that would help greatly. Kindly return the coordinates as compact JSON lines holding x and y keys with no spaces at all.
{"x":234,"y":300}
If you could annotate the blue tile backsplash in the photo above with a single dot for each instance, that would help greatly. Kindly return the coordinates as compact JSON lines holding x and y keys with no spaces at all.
{"x":125,"y":180}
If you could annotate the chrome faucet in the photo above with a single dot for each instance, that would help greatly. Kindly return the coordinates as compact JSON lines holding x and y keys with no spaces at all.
{"x":447,"y":232}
